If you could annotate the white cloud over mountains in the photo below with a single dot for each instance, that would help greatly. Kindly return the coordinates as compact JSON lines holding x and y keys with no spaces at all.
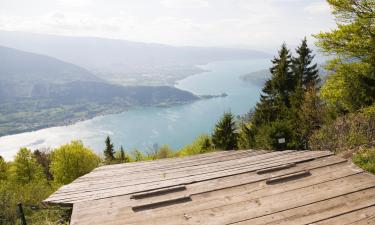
{"x":184,"y":4}
{"x":253,"y":23}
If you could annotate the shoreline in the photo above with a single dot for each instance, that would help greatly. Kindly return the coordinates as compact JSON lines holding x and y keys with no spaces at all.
{"x":73,"y":121}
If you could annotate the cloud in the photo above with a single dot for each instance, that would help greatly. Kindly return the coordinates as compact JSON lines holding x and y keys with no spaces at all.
{"x":74,"y":3}
{"x":317,"y":8}
{"x":184,"y":4}
{"x":224,"y":23}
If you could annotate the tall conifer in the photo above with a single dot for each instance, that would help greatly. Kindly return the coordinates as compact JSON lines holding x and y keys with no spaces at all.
{"x":122,"y":154}
{"x":305,"y":73}
{"x":109,"y":152}
{"x":282,"y":82}
{"x":224,"y":136}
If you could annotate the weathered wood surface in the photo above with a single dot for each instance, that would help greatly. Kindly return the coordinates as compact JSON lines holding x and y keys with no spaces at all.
{"x":235,"y":187}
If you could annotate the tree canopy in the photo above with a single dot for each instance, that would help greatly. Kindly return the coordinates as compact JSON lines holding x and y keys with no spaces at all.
{"x":25,"y":167}
{"x":224,"y":136}
{"x":109,"y":152}
{"x":71,"y":161}
{"x":351,"y":83}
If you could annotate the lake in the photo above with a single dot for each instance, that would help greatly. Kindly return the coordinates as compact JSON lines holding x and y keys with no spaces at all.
{"x":141,"y":128}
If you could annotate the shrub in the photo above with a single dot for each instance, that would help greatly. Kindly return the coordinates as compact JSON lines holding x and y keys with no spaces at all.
{"x":346,"y":132}
{"x":365,"y":159}
{"x":25,"y":168}
{"x":200,"y":145}
{"x":71,"y":161}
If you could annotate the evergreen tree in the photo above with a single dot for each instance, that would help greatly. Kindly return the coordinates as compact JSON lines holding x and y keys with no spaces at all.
{"x":109,"y":152}
{"x":224,"y":136}
{"x":305,"y":74}
{"x":122,"y":154}
{"x":282,"y":82}
{"x":277,"y":91}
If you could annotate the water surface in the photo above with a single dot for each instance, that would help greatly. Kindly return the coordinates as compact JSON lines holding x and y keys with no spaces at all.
{"x":143,"y":127}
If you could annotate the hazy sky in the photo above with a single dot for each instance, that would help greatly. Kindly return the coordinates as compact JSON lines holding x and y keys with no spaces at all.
{"x":260,"y":24}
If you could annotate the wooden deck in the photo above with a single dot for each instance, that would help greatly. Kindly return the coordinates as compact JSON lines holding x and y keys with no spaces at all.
{"x":233,"y":187}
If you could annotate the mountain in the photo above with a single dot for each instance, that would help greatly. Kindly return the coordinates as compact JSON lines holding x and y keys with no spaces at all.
{"x":22,"y":73}
{"x":125,"y":62}
{"x":258,"y":77}
{"x":38,"y":91}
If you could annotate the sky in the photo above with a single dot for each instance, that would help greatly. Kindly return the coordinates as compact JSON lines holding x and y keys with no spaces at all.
{"x":259,"y":24}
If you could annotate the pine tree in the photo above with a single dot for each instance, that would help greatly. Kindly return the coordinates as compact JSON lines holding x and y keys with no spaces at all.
{"x":277,"y":91}
{"x":109,"y":152}
{"x":224,"y":136}
{"x":282,"y":82}
{"x":122,"y":154}
{"x":305,"y":74}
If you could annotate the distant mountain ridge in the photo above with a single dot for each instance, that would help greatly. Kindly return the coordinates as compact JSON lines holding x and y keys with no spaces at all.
{"x":21,"y":73}
{"x":125,"y":62}
{"x":38,"y":91}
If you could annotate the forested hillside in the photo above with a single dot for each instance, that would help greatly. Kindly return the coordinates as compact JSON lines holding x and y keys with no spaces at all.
{"x":38,"y":91}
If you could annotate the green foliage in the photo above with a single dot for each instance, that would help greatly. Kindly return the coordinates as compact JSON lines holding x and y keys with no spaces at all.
{"x":122,"y":157}
{"x":122,"y":154}
{"x":31,"y":195}
{"x":310,"y":115}
{"x":245,"y":136}
{"x":25,"y":168}
{"x":26,"y":183}
{"x":365,"y":158}
{"x":287,"y":95}
{"x":202,"y":144}
{"x":282,"y":129}
{"x":351,"y":84}
{"x":43,"y":158}
{"x":305,"y":74}
{"x":164,"y":152}
{"x":350,"y":87}
{"x":71,"y":161}
{"x":224,"y":136}
{"x":346,"y":132}
{"x":109,"y":152}
{"x":137,"y":155}
{"x":3,"y":169}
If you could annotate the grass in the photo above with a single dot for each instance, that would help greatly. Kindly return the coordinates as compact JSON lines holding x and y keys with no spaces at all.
{"x":365,"y":159}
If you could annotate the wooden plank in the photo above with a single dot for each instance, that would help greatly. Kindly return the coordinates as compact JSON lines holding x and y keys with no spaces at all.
{"x":368,"y":221}
{"x":216,"y":166}
{"x":124,"y":175}
{"x":331,"y":165}
{"x":206,"y":201}
{"x":130,"y":189}
{"x":158,"y":192}
{"x":251,"y":208}
{"x":154,"y":177}
{"x":362,"y":216}
{"x":150,"y":185}
{"x":276,"y":168}
{"x":325,"y":166}
{"x":165,"y":202}
{"x":310,"y":214}
{"x":175,"y":162}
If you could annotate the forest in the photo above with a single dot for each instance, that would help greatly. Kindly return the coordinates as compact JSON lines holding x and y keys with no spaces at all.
{"x":297,"y":110}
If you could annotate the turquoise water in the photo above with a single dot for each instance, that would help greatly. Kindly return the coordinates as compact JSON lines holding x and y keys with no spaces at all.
{"x":143,"y":127}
